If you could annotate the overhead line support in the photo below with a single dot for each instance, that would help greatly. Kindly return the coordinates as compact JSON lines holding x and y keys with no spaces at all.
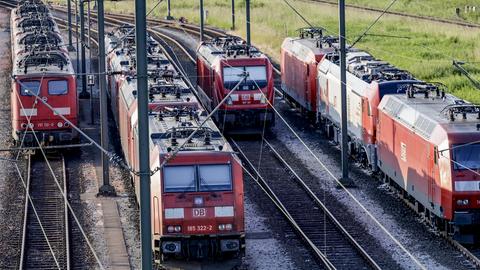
{"x":247,"y":6}
{"x":84,"y":94}
{"x":106,"y":189}
{"x":202,"y":23}
{"x":143,"y":151}
{"x":343,"y":84}
{"x":69,"y":19}
{"x":233,"y":14}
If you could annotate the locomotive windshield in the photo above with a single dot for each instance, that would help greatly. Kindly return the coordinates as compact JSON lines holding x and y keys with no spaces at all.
{"x":197,"y":178}
{"x":31,"y":86}
{"x":214,"y":177}
{"x":179,"y":178}
{"x":257,"y":77}
{"x":466,"y":157}
{"x":59,"y":87}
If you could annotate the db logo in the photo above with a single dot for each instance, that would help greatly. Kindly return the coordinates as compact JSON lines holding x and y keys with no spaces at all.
{"x":199,"y":212}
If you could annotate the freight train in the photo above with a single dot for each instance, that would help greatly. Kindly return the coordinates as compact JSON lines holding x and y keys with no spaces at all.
{"x":42,"y":67}
{"x":197,"y":197}
{"x":422,"y":140}
{"x":222,"y":63}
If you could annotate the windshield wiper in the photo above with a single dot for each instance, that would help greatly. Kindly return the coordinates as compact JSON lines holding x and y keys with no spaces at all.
{"x":202,"y":181}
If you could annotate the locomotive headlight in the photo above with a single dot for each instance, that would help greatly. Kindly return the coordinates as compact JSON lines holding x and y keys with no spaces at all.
{"x":198,"y":200}
{"x":30,"y":125}
{"x":170,"y":229}
{"x":66,"y":124}
{"x":23,"y":125}
{"x":463,"y":202}
{"x":263,"y":100}
{"x":229,"y":101}
{"x":59,"y":124}
{"x":228,"y":227}
{"x":178,"y":228}
{"x":221,"y":227}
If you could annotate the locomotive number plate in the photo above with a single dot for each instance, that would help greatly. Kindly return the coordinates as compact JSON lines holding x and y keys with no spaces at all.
{"x":199,"y":228}
{"x":245,"y":97}
{"x":199,"y":212}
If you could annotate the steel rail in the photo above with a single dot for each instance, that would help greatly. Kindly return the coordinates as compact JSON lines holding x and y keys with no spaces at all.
{"x":278,"y":203}
{"x":401,"y":14}
{"x":320,"y":204}
{"x":46,"y":218}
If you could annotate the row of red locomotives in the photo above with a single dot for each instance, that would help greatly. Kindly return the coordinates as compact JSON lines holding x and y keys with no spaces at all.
{"x":417,"y":137}
{"x":197,"y":197}
{"x":41,"y":67}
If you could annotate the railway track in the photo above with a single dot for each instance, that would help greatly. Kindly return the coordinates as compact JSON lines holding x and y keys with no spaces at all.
{"x":182,"y":57}
{"x":169,"y":42}
{"x":329,"y":240}
{"x":401,"y":14}
{"x":45,"y":242}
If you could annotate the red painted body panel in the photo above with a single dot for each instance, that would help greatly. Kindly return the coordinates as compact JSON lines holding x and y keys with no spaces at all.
{"x":210,"y":79}
{"x":44,"y":118}
{"x":299,"y":78}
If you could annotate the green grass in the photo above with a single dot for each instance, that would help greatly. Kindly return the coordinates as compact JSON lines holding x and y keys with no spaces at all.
{"x":434,"y":8}
{"x":427,"y":53}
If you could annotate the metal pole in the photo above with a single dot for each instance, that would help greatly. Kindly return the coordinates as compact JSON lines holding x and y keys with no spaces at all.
{"x":69,"y":17}
{"x":169,"y":14}
{"x":343,"y":80}
{"x":247,"y":5}
{"x":233,"y":14}
{"x":76,"y":35}
{"x":201,"y":20}
{"x":84,"y":94}
{"x":90,"y":69}
{"x":106,"y":189}
{"x":144,"y":157}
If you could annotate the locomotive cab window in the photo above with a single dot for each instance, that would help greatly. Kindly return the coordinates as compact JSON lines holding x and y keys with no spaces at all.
{"x":59,"y":87}
{"x":215,"y":177}
{"x":466,"y":157}
{"x":179,"y":178}
{"x":29,"y":87}
{"x":257,"y":77}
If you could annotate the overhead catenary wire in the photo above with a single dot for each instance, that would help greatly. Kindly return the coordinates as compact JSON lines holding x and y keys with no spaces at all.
{"x":133,"y":28}
{"x":373,"y":23}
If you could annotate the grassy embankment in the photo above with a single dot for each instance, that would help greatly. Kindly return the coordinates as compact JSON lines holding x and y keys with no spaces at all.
{"x":434,"y":8}
{"x":428,"y":52}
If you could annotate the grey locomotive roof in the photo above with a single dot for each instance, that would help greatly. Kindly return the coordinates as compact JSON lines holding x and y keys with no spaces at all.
{"x":424,"y":114}
{"x":359,"y":63}
{"x":229,"y":47}
{"x":38,"y":47}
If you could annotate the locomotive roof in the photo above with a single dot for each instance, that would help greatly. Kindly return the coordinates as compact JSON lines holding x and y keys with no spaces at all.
{"x":229,"y":47}
{"x":424,"y":114}
{"x":170,"y":128}
{"x":174,"y":110}
{"x":38,"y":48}
{"x":311,"y":43}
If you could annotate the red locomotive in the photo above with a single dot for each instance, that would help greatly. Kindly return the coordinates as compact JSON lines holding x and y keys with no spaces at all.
{"x":424,"y":145}
{"x":197,"y":197}
{"x":41,"y":66}
{"x":221,"y":63}
{"x":311,"y":78}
